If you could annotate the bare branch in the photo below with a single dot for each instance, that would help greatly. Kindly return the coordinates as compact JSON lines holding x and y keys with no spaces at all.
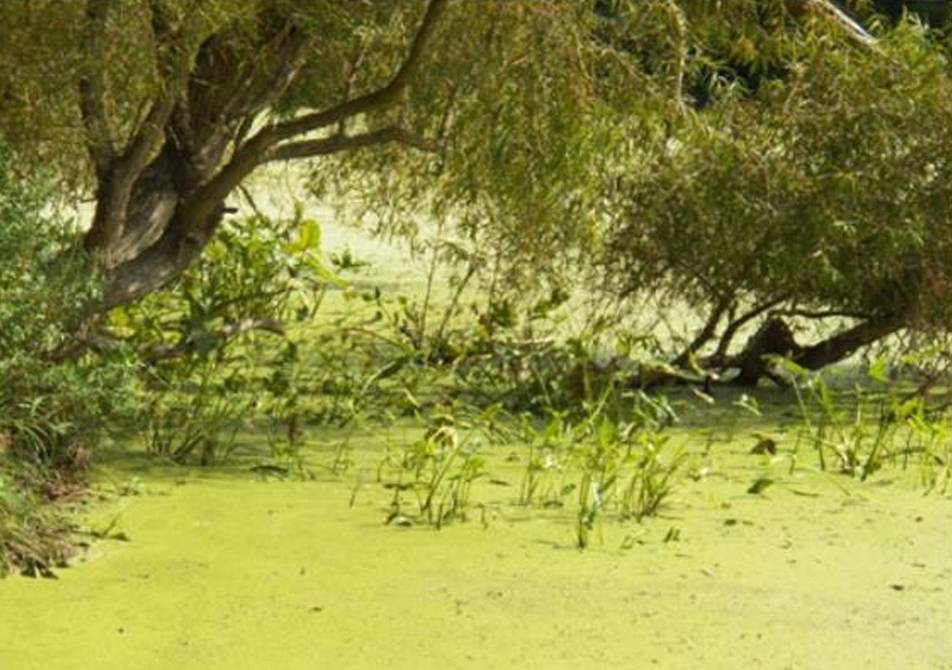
{"x":337,"y":143}
{"x":727,"y":337}
{"x":705,"y":334}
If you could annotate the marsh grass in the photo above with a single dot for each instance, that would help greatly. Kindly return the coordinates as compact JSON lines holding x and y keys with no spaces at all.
{"x":612,"y":455}
{"x":860,"y":432}
{"x":439,"y":469}
{"x":35,"y":537}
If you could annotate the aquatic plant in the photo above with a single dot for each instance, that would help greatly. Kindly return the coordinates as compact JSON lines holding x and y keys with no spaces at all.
{"x":439,"y":469}
{"x":864,"y":430}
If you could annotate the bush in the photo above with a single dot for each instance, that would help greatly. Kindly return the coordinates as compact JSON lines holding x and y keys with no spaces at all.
{"x":57,"y":397}
{"x":221,"y":343}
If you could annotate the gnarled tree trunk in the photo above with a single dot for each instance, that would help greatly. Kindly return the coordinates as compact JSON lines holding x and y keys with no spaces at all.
{"x":161,"y":195}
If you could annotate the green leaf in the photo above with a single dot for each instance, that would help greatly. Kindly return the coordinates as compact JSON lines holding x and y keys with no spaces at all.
{"x":309,"y":236}
{"x":877,"y":369}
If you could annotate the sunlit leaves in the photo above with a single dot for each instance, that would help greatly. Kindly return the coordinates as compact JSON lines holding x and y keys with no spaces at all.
{"x":823,"y":189}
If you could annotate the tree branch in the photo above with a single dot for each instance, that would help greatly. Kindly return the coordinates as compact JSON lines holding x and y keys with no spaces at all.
{"x":92,"y":87}
{"x":844,"y":343}
{"x":258,"y":148}
{"x":705,"y":334}
{"x":173,"y":65}
{"x":731,"y":331}
{"x":378,"y":99}
{"x":823,"y":314}
{"x":281,"y":58}
{"x":337,"y":143}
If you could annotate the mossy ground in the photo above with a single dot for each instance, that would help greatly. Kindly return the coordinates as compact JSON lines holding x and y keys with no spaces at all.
{"x":231,"y":569}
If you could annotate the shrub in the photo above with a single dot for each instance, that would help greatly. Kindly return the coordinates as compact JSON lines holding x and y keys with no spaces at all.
{"x":57,"y":396}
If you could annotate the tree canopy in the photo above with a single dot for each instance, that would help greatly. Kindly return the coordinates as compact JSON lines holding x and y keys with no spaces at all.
{"x":745,"y":156}
{"x":163,"y":108}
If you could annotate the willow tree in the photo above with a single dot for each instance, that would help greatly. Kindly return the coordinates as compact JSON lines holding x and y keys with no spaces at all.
{"x":820,"y":196}
{"x":161,"y":108}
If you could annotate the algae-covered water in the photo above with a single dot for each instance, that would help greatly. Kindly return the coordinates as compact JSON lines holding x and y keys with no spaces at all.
{"x":232,"y":569}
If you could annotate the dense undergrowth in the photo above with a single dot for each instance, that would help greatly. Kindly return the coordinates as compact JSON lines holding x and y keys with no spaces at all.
{"x":485,"y":376}
{"x":267,"y":334}
{"x":56,"y":398}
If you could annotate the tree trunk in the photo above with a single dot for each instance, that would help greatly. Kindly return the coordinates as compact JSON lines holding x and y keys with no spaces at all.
{"x":160,"y":236}
{"x":161,"y":194}
{"x":775,"y":338}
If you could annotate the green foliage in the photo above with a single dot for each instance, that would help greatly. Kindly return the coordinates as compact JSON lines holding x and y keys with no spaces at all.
{"x":33,"y":538}
{"x":821,"y":192}
{"x":869,"y":428}
{"x":53,"y":400}
{"x":439,"y":469}
{"x":222,"y":343}
{"x":613,"y":457}
{"x":56,"y":402}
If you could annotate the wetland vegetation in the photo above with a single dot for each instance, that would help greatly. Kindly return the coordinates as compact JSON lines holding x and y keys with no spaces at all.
{"x":325,"y":341}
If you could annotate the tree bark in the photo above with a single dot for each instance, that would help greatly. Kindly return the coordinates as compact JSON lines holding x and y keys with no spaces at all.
{"x":844,"y":344}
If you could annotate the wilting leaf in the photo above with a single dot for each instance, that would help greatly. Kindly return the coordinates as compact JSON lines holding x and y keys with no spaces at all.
{"x":759,"y":485}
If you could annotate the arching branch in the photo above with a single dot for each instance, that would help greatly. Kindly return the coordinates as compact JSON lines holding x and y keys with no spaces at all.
{"x":258,"y":149}
{"x":337,"y":143}
{"x":375,"y":100}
